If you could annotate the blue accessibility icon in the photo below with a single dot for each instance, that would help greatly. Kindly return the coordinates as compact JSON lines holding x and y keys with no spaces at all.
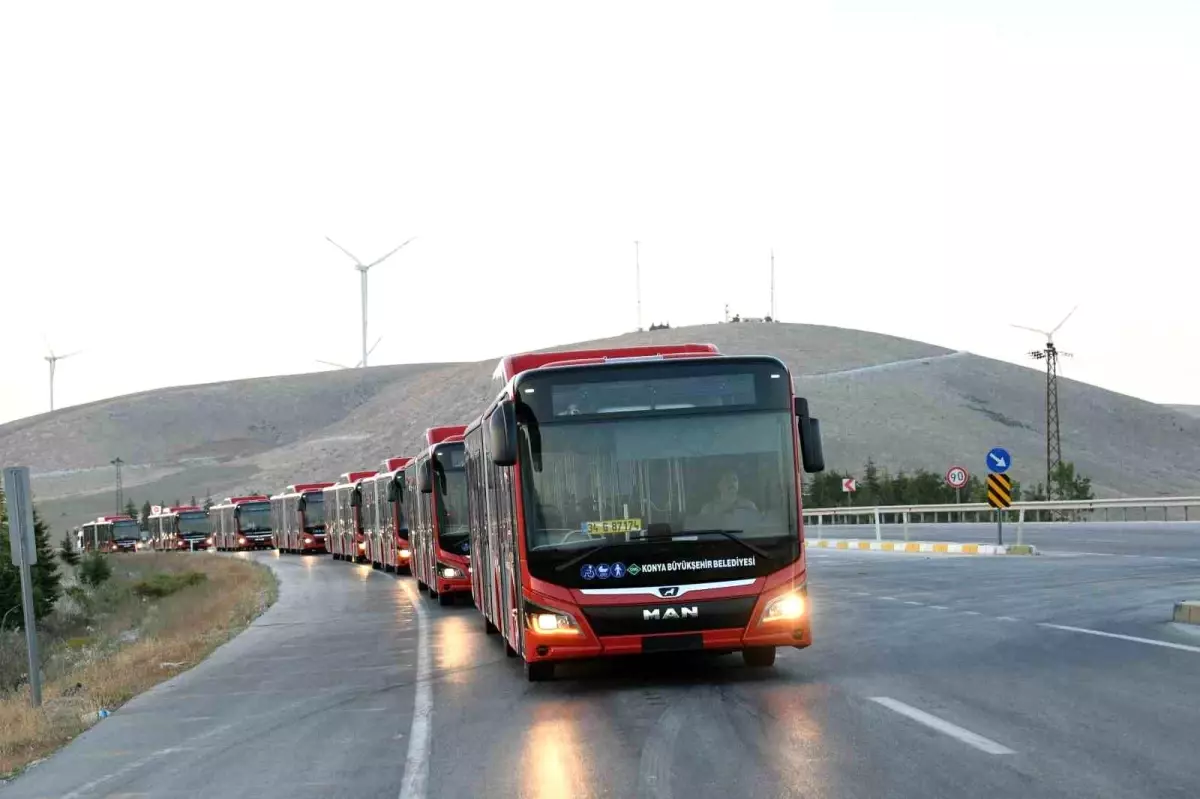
{"x":998,"y":460}
{"x":588,"y":572}
{"x":603,"y":571}
{"x":618,"y":571}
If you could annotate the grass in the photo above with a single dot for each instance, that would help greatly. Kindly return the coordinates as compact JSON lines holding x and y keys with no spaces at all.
{"x":160,"y":614}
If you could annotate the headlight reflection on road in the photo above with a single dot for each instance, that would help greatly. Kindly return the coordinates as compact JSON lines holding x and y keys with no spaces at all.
{"x":455,"y":647}
{"x":553,"y":763}
{"x":799,"y":753}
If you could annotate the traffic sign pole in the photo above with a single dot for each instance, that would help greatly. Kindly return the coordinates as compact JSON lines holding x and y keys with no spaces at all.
{"x":24,"y":551}
{"x":999,"y":527}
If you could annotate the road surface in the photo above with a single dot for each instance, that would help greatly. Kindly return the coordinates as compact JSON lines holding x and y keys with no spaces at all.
{"x":931,"y":676}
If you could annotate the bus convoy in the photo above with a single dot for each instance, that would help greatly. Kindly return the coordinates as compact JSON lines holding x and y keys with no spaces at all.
{"x":605,"y":502}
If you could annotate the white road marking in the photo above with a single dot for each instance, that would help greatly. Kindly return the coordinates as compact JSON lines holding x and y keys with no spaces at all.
{"x":862,"y":593}
{"x":416,"y":764}
{"x":888,"y":598}
{"x":1006,"y":618}
{"x":972,"y":613}
{"x":1133,"y":638}
{"x":938,"y":607}
{"x":941,"y":725}
{"x":910,"y":602}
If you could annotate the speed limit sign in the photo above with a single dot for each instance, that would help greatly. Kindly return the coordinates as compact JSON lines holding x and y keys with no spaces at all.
{"x":957,"y":476}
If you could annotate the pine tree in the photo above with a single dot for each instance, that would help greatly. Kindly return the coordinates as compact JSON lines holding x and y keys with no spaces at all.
{"x":66,"y":550}
{"x":47,"y":582}
{"x":131,"y":509}
{"x":145,"y":520}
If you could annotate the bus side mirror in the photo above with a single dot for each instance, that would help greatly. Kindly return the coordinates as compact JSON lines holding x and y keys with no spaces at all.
{"x":356,"y":498}
{"x":812,"y":454}
{"x":425,"y":477}
{"x":502,"y":434}
{"x":393,"y":491}
{"x":237,"y":511}
{"x":302,"y":504}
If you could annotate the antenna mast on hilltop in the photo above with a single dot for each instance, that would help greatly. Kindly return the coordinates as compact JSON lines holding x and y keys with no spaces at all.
{"x":362,"y":270}
{"x":772,"y":319}
{"x":116,"y":462}
{"x":1050,"y":355}
{"x":637,"y":265}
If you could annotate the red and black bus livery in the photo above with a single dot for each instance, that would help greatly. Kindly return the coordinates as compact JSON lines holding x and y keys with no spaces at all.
{"x":641,"y":500}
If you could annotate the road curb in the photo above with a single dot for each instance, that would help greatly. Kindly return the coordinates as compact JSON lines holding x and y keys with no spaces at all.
{"x":1187,"y":612}
{"x":928,"y":547}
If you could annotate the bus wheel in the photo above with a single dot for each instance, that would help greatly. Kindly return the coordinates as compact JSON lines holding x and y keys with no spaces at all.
{"x":539,"y":671}
{"x":445,"y":599}
{"x":759,"y":657}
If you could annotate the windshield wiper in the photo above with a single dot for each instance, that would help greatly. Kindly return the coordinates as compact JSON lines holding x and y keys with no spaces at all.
{"x":584,"y":556}
{"x":732,"y":535}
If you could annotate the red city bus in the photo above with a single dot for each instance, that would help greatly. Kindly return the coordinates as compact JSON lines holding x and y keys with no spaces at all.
{"x":387,"y":546}
{"x":344,"y":538}
{"x":241,"y":523}
{"x":298,"y":518}
{"x":440,"y":537}
{"x":115,"y":533}
{"x":641,"y":500}
{"x":184,"y":527}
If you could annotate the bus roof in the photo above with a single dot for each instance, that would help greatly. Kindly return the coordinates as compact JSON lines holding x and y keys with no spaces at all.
{"x":183,"y":509}
{"x":512,"y":365}
{"x":241,"y":500}
{"x":119,"y":517}
{"x":436,"y":435}
{"x":306,"y":488}
{"x":393,"y":464}
{"x":354,"y":477}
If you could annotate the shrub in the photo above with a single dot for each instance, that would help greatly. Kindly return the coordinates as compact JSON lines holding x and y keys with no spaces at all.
{"x":164,"y":584}
{"x":95,"y":570}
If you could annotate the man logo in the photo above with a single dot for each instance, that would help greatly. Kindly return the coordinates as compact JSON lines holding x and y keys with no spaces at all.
{"x":670,"y":591}
{"x":658,"y":614}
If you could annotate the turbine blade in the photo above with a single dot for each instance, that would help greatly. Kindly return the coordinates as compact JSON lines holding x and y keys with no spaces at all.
{"x":1064,"y":321}
{"x":69,"y":354}
{"x":389,"y":255}
{"x":353,"y":257}
{"x":1030,"y":329}
{"x":331,"y":363}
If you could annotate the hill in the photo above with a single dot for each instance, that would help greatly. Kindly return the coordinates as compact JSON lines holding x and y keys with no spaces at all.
{"x":1190,"y":410}
{"x":903,"y":403}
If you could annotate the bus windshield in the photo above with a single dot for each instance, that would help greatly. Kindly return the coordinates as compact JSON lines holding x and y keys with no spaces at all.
{"x":314,"y":513}
{"x":125,"y":531}
{"x":255,"y":517}
{"x":194,"y":524}
{"x":451,"y":499}
{"x":713,"y":490}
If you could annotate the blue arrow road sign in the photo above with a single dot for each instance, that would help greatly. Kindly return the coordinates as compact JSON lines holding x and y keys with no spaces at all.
{"x":998,"y":460}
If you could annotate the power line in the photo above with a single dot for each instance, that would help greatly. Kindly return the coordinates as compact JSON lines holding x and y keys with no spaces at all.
{"x":1050,"y":354}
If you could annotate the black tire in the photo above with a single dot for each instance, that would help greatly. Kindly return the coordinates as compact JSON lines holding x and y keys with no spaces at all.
{"x":759,"y":657}
{"x":488,"y":627}
{"x":539,"y":671}
{"x":445,"y":600}
{"x":509,"y":651}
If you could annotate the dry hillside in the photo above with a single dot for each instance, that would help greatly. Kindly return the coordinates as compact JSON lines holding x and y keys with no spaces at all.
{"x":904,"y":403}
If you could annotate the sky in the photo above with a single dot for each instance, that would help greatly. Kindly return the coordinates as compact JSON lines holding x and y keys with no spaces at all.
{"x":937,"y":170}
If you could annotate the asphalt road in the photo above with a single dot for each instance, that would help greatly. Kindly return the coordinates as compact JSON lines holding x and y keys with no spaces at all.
{"x":1143,"y":539}
{"x":931,"y":676}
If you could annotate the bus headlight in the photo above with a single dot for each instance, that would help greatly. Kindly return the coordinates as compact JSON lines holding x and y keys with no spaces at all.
{"x":550,"y":622}
{"x":241,"y":539}
{"x":786,"y":607}
{"x":406,"y":553}
{"x":450,"y":573}
{"x":362,"y":546}
{"x":308,"y":539}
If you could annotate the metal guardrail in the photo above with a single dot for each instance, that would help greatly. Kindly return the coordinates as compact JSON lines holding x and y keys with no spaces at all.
{"x":1057,"y":510}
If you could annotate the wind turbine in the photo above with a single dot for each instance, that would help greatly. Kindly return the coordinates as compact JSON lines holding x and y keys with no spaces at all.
{"x":362,"y":270}
{"x":359,"y":364}
{"x":53,"y":360}
{"x":1053,"y":435}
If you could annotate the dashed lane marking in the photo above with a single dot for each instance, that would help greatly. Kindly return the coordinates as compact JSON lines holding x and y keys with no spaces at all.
{"x":941,"y":725}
